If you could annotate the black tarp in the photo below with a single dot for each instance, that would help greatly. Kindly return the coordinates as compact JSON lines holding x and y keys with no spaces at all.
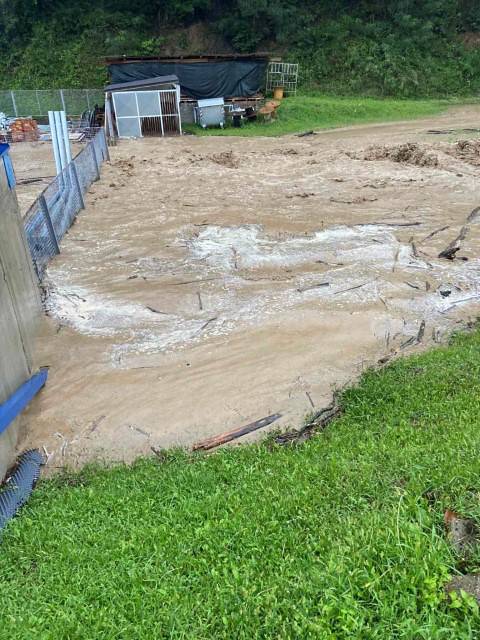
{"x":199,"y":80}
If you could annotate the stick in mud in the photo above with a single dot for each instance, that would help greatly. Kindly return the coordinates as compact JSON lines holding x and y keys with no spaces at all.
{"x":415,"y":339}
{"x":358,"y":286}
{"x":310,"y":399}
{"x":395,"y":259}
{"x":200,"y":303}
{"x":434,"y":233}
{"x":410,"y":284}
{"x":454,"y":246}
{"x":460,"y":302}
{"x":153,"y":310}
{"x":388,"y":224}
{"x":313,"y":286}
{"x":228,"y":436}
{"x":319,"y":421}
{"x":204,"y":326}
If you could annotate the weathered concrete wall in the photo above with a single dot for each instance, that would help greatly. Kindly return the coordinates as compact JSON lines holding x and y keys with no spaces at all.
{"x":19,"y":311}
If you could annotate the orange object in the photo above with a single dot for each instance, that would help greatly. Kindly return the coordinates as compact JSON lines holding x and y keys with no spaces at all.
{"x":24,"y":129}
{"x":278,"y":93}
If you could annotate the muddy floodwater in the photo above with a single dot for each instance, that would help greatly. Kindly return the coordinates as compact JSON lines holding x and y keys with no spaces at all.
{"x":213,"y":281}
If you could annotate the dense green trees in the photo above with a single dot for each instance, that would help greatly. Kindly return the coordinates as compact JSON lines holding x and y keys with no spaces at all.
{"x":383,"y":47}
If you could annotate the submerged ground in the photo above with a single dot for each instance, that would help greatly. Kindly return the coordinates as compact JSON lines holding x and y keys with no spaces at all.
{"x":214,"y":281}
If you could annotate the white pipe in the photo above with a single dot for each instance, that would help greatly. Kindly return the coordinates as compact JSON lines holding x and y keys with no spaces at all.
{"x":66,"y":138}
{"x":56,"y":151}
{"x":61,"y":141}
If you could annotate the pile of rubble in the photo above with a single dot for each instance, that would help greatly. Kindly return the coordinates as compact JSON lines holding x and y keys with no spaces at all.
{"x":18,"y":129}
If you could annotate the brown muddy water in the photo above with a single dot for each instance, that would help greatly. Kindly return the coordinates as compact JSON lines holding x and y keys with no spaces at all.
{"x":213,"y":281}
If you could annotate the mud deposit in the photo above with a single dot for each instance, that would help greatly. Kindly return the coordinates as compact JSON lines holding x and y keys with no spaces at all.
{"x":214,"y":281}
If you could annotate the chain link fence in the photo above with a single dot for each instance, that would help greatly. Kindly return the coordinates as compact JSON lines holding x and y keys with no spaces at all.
{"x":24,"y":103}
{"x":53,"y":212}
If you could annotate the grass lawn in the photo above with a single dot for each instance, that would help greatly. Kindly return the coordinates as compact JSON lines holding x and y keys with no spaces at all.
{"x":305,"y":112}
{"x":341,"y":537}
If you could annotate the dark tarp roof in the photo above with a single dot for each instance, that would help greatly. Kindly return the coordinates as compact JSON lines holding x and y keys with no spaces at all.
{"x":212,"y":79}
{"x":142,"y":84}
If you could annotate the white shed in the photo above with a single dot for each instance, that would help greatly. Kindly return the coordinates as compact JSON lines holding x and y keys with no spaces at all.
{"x":142,"y":108}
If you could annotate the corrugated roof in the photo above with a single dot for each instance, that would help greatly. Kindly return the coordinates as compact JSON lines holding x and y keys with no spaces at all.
{"x":208,"y":57}
{"x":142,"y":84}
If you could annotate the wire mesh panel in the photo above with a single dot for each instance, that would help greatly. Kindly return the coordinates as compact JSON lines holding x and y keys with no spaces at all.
{"x":63,"y":200}
{"x":52,"y":214}
{"x":282,"y":74}
{"x":38,"y":102}
{"x":48,"y":100}
{"x":86,"y":167}
{"x":6,"y":103}
{"x":40,"y":237}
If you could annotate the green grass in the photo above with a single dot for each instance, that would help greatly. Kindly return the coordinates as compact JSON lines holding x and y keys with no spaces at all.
{"x":333,"y":539}
{"x":305,"y":112}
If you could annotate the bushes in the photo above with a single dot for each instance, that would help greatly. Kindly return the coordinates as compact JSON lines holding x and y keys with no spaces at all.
{"x":391,"y":48}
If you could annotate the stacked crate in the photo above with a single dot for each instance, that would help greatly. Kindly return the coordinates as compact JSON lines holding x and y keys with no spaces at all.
{"x":24,"y":130}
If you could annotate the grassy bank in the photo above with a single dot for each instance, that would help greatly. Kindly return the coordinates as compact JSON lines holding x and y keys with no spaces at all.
{"x":305,"y":112}
{"x":341,"y":537}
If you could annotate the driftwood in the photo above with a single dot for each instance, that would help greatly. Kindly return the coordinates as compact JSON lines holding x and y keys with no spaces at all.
{"x":415,"y":339}
{"x":454,"y":246}
{"x":313,"y":286}
{"x":410,"y":284}
{"x":434,"y":233}
{"x":358,"y":286}
{"x":388,"y":224}
{"x":204,"y":326}
{"x":318,"y":422}
{"x":228,"y":436}
{"x":153,"y":310}
{"x":454,"y":304}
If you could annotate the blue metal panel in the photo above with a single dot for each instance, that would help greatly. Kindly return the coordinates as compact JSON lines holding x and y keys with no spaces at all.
{"x":7,"y":164}
{"x":17,"y":402}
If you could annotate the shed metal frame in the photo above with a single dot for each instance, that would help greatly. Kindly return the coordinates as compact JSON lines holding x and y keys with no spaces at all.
{"x":166,"y":98}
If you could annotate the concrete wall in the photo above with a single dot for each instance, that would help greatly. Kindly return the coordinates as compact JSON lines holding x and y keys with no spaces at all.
{"x":20,"y":309}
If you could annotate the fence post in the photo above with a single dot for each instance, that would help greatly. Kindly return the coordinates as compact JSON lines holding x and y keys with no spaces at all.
{"x":95,"y":160}
{"x":14,"y":104}
{"x":63,"y":100}
{"x":48,"y":220}
{"x":77,"y":182}
{"x":105,"y":145}
{"x":38,"y":102}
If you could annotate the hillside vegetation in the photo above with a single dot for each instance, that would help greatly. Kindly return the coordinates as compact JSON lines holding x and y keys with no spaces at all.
{"x":401,"y":48}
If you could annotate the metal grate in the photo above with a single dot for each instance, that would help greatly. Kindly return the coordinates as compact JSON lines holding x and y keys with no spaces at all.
{"x":52,"y":214}
{"x":282,"y":74}
{"x":147,"y":113}
{"x":19,"y":485}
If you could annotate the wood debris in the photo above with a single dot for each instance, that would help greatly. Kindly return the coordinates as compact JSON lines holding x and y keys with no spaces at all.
{"x":228,"y":436}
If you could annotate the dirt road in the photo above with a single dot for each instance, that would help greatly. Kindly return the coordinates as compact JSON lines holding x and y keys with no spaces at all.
{"x":213,"y":281}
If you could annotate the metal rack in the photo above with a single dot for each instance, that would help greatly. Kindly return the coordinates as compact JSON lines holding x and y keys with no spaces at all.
{"x":282,"y":74}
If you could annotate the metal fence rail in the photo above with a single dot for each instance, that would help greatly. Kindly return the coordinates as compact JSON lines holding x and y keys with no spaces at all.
{"x":22,"y":103}
{"x":53,"y":212}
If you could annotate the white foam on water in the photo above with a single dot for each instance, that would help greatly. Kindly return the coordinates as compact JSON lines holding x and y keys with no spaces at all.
{"x":245,"y":247}
{"x":363,"y":259}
